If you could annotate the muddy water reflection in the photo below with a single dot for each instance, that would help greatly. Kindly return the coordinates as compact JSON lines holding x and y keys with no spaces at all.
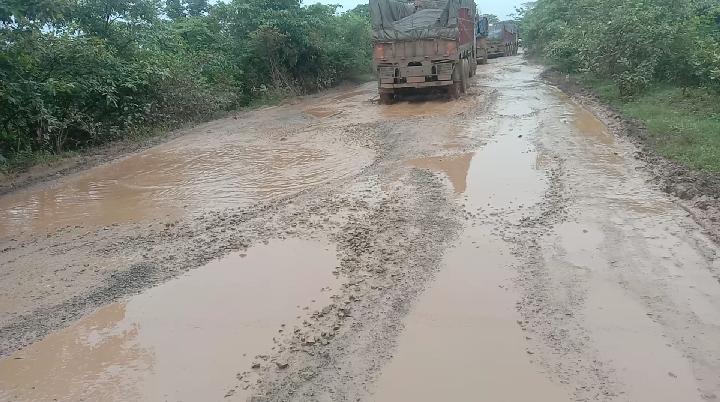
{"x":506,"y":174}
{"x":187,"y":175}
{"x":597,"y":142}
{"x":184,"y":340}
{"x":461,"y":342}
{"x":455,"y":167}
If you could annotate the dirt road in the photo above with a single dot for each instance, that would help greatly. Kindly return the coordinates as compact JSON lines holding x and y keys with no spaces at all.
{"x":503,"y":247}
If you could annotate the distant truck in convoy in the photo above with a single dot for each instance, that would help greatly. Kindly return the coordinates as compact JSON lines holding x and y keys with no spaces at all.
{"x":482,"y":28}
{"x":423,"y":44}
{"x":503,"y":39}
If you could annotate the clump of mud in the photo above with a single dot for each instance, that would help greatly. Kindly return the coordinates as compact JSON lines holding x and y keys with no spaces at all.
{"x":388,"y":253}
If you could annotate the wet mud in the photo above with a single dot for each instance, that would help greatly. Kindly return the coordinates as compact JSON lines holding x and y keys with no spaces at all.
{"x":154,"y":345}
{"x":184,"y":177}
{"x":338,"y":249}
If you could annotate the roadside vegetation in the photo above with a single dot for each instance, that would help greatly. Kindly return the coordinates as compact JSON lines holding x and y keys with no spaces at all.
{"x":656,"y":61}
{"x":79,"y":73}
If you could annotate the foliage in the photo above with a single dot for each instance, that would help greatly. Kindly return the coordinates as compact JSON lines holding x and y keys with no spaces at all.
{"x":77,"y":73}
{"x":657,"y":61}
{"x":682,"y":125}
{"x":634,"y":43}
{"x":492,"y":18}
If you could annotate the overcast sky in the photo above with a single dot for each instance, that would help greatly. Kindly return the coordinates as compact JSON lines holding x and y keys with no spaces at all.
{"x":501,"y":8}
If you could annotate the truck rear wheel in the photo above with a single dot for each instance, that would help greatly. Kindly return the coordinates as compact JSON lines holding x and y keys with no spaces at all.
{"x":454,"y":90}
{"x":459,"y":78}
{"x":464,"y":75}
{"x":387,"y":98}
{"x":483,"y":57}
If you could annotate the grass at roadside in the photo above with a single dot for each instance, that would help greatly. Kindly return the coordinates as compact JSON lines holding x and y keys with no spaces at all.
{"x":681,"y":125}
{"x":22,"y":161}
{"x":25,"y":160}
{"x":19,"y":162}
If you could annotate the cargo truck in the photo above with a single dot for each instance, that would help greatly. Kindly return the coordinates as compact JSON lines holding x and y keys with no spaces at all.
{"x":502,"y":39}
{"x":423,"y":44}
{"x":481,"y":39}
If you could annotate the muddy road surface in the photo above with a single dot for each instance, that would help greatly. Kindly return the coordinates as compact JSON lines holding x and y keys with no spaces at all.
{"x":503,"y":247}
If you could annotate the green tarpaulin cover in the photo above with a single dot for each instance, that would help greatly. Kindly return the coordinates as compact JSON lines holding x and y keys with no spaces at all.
{"x":399,"y":20}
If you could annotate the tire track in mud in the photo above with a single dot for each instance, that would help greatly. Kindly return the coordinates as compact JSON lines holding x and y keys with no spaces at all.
{"x":391,"y":224}
{"x":548,"y":313}
{"x":145,"y":256}
{"x":372,"y":216}
{"x":387,"y":257}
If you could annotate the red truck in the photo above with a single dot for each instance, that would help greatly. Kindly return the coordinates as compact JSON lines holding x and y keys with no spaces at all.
{"x":503,"y":39}
{"x":423,"y":44}
{"x":482,"y":28}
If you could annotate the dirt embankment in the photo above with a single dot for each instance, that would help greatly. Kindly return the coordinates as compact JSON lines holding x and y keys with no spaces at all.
{"x":698,"y":191}
{"x":70,"y":164}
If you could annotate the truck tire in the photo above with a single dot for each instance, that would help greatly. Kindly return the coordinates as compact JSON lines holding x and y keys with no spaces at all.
{"x":473,"y":66}
{"x":459,"y":78}
{"x":464,"y":75}
{"x":454,"y":90}
{"x":387,"y":98}
{"x":483,"y":57}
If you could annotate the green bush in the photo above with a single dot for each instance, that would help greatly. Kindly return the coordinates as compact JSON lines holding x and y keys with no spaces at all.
{"x":655,"y":61}
{"x":78,"y":73}
{"x":634,"y":43}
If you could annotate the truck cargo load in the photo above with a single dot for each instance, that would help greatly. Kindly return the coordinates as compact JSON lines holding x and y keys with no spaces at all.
{"x":482,"y":27}
{"x":503,"y":39}
{"x":396,"y":20}
{"x":423,"y":44}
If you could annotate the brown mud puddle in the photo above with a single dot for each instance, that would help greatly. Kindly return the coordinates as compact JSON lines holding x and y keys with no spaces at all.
{"x":184,"y":176}
{"x":426,"y":108}
{"x":353,"y":94}
{"x":183,"y":340}
{"x":461,"y":340}
{"x":504,"y":174}
{"x":455,"y":167}
{"x":322,"y":112}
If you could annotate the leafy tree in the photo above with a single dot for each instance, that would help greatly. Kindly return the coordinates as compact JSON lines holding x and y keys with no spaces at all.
{"x":492,"y":18}
{"x":197,"y":7}
{"x":98,"y":17}
{"x":636,"y":43}
{"x":174,"y":9}
{"x":77,"y":73}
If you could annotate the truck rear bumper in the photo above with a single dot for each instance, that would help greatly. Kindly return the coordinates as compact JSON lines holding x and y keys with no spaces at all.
{"x":416,"y":84}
